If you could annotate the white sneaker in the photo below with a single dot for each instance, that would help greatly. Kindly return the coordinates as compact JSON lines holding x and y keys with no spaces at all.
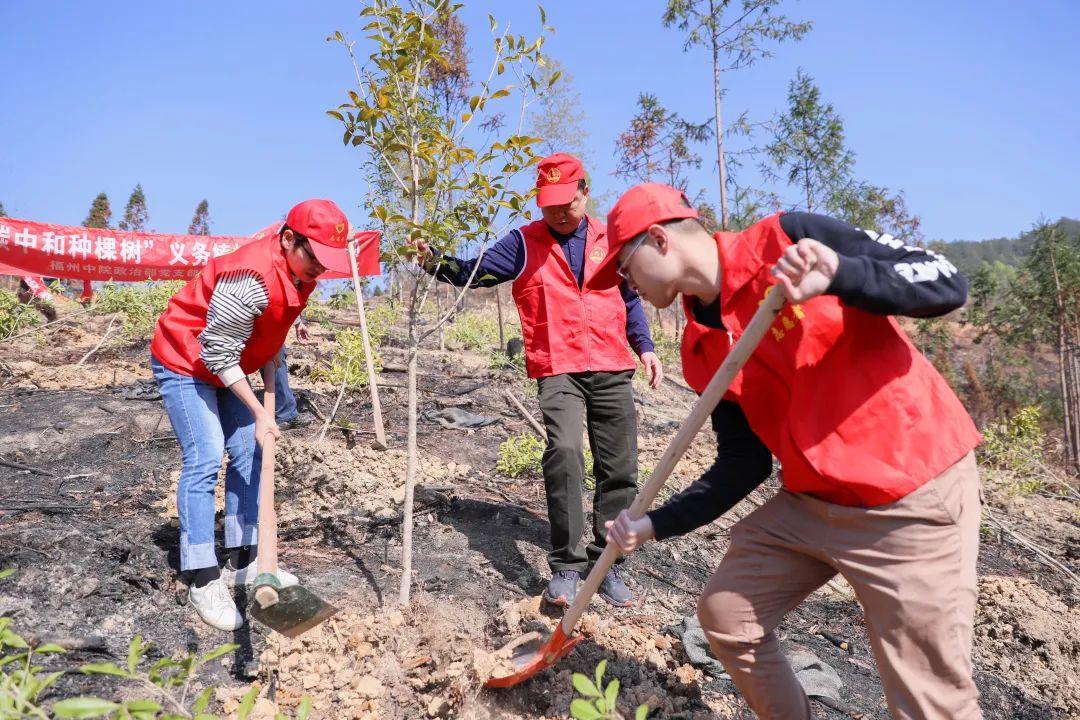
{"x":247,"y":575}
{"x":215,"y":605}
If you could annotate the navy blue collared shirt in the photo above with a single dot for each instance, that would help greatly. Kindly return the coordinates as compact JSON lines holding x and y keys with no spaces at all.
{"x":505,"y":260}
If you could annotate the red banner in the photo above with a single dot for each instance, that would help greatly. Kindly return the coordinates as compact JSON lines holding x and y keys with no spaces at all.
{"x":81,"y":253}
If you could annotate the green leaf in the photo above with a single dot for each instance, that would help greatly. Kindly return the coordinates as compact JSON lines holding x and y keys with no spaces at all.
{"x":203,"y":701}
{"x":7,"y":572}
{"x":83,"y":707}
{"x":584,"y":686}
{"x":304,"y":710}
{"x":500,"y":94}
{"x":601,"y":668}
{"x":335,"y":114}
{"x":642,"y":712}
{"x":473,"y":102}
{"x":142,"y":706}
{"x":49,"y":680}
{"x":584,"y":710}
{"x":339,"y":37}
{"x":491,"y":19}
{"x":102,"y":669}
{"x":10,"y":639}
{"x":247,"y":703}
{"x":135,"y":652}
{"x":218,"y":652}
{"x":49,"y":648}
{"x":611,"y":694}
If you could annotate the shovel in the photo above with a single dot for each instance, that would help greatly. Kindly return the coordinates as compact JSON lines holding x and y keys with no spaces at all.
{"x":532,"y":653}
{"x":287,"y":610}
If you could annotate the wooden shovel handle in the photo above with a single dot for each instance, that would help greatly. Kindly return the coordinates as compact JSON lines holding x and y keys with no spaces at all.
{"x":708,"y":401}
{"x":267,"y":557}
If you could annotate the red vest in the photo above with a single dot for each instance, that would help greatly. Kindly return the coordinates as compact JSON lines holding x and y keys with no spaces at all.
{"x":176,"y":340}
{"x":854,"y":412}
{"x":568,"y":329}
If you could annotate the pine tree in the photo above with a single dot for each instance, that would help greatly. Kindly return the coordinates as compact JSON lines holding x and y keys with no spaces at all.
{"x":557,"y":116}
{"x":3,"y":212}
{"x":200,"y":222}
{"x":135,"y":213}
{"x":735,"y":41}
{"x":100,"y":213}
{"x":658,"y":145}
{"x":808,"y":147}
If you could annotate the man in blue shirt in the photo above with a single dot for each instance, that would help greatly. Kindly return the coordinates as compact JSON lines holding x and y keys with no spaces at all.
{"x":578,"y":337}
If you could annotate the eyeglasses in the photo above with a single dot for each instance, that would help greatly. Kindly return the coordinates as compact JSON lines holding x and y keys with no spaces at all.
{"x":623,"y":268}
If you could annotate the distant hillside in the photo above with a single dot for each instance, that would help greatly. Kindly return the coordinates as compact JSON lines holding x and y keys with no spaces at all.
{"x":968,"y":255}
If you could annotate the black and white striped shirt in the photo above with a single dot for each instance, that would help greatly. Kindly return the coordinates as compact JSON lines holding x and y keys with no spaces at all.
{"x":239,"y":297}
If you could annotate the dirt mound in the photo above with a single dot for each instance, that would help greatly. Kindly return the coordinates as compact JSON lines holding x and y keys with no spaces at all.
{"x":29,"y":374}
{"x":414,"y":663}
{"x":1030,"y":637}
{"x":651,"y":666}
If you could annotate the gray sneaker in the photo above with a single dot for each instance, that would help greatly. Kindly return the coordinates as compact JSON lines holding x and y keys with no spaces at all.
{"x":562,"y":588}
{"x":614,"y":590}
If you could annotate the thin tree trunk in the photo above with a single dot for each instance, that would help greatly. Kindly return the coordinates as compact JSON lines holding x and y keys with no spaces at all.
{"x":438,"y":314}
{"x":719,"y":124}
{"x":1072,"y":446}
{"x":498,"y":308}
{"x":410,"y":484}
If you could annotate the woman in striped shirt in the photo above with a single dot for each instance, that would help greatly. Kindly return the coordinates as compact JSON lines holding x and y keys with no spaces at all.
{"x":229,"y":321}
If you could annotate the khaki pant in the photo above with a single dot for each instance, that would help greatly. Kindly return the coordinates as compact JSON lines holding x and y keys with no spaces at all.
{"x":912,"y":565}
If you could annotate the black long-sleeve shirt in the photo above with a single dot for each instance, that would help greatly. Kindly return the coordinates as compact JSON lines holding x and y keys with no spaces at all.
{"x":877,"y":274}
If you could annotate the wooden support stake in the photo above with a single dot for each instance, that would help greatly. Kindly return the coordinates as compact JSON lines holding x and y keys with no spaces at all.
{"x":380,"y":432}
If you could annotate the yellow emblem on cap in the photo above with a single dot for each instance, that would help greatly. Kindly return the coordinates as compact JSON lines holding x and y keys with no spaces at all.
{"x":553,"y":175}
{"x":598,"y":254}
{"x":339,"y":230}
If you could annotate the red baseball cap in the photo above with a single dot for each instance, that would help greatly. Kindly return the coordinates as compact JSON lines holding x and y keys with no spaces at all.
{"x":557,"y":179}
{"x":640,"y":207}
{"x":325,"y":225}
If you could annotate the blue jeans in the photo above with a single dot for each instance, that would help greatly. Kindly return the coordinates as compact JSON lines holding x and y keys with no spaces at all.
{"x":208,"y":421}
{"x":285,"y":408}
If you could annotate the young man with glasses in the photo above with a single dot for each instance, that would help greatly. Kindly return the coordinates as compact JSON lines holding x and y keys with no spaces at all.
{"x":229,"y":321}
{"x":875,"y":450}
{"x":578,"y":338}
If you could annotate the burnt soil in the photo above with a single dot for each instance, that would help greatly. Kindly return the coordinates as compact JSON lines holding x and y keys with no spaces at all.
{"x":91,"y":528}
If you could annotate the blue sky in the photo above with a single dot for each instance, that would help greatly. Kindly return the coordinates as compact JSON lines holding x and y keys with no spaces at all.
{"x":968,"y":107}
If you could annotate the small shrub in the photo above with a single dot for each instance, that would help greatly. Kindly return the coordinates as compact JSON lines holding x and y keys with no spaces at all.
{"x":590,"y":469}
{"x":316,"y":312}
{"x":473,"y":332}
{"x":15,"y":316}
{"x":380,"y":319}
{"x":667,"y":347}
{"x":520,"y":454}
{"x":169,"y":680}
{"x":343,"y":300}
{"x":499,"y":360}
{"x":599,"y":702}
{"x":350,"y":362}
{"x":1016,"y":447}
{"x":139,"y":304}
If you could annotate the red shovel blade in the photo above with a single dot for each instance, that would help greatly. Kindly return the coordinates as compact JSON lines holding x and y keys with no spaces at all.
{"x":533,"y":657}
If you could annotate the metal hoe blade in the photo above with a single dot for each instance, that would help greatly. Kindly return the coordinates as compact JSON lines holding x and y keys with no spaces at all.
{"x":296,"y":611}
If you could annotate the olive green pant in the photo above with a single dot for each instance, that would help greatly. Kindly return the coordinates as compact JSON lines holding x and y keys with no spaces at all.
{"x":604,"y":401}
